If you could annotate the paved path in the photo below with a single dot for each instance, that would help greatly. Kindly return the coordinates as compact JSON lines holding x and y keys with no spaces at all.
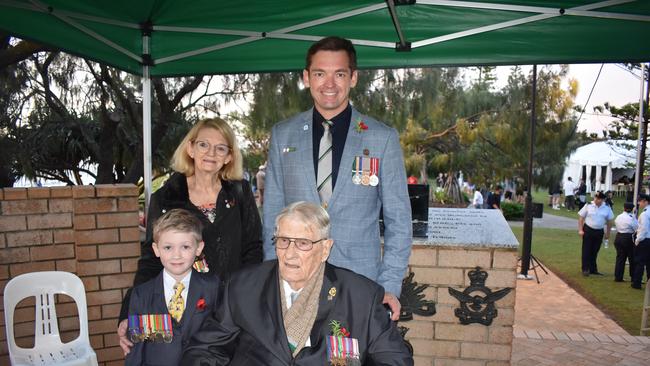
{"x":556,"y":326}
{"x":552,"y":222}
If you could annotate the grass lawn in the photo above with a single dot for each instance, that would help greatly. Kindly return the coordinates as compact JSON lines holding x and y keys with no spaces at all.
{"x":541,"y":196}
{"x":560,"y":251}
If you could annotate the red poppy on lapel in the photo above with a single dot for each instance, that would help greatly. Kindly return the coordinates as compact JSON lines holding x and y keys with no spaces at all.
{"x":361,"y":126}
{"x":200,"y":305}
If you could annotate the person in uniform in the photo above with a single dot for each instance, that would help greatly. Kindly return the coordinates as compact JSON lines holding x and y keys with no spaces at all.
{"x":594,"y":223}
{"x":626,"y":224}
{"x":642,"y":242}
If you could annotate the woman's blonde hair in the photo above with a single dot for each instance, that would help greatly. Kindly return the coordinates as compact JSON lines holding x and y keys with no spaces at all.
{"x":183,"y":163}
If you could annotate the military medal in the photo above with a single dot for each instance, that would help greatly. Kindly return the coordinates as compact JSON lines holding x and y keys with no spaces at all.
{"x":356,"y":171}
{"x":374,"y":172}
{"x":167,"y":324}
{"x":200,"y":265}
{"x":365,"y":177}
{"x":134,"y":329}
{"x":159,"y":328}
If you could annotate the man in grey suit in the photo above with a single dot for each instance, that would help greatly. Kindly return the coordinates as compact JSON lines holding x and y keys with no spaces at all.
{"x":348,"y":162}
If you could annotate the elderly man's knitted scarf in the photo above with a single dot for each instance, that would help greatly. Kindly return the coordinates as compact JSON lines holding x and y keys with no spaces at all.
{"x":299,"y":319}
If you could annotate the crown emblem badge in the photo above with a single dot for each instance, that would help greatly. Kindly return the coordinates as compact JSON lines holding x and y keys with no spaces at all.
{"x":477,"y":300}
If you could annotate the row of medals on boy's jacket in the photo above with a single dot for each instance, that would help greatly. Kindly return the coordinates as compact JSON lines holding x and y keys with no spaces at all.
{"x":157,"y":327}
{"x":150,"y":327}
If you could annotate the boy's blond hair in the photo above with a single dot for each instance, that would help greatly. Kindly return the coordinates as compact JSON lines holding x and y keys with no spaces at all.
{"x":180,"y":220}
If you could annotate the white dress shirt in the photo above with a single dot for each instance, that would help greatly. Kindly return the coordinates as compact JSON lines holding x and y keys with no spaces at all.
{"x":643,"y":232}
{"x":596,"y":217}
{"x":626,"y":223}
{"x":168,"y":284}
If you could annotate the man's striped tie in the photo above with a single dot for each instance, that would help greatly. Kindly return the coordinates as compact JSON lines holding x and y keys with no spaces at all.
{"x":324,"y":179}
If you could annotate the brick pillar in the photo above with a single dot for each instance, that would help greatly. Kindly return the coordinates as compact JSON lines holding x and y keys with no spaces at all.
{"x":91,"y":231}
{"x":442,"y":339}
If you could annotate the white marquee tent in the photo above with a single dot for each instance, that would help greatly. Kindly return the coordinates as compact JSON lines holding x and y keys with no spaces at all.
{"x":601,"y":163}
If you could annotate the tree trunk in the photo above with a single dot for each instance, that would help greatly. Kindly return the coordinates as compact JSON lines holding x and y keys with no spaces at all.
{"x":452,"y":189}
{"x":424,"y":178}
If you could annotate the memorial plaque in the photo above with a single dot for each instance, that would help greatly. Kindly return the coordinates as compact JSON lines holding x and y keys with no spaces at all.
{"x":463,"y":226}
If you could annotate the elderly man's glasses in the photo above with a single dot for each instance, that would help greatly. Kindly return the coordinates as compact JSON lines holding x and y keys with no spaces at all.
{"x":204,"y":147}
{"x":302,"y":244}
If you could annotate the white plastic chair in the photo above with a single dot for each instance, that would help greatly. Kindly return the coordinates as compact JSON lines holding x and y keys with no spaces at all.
{"x":48,"y":348}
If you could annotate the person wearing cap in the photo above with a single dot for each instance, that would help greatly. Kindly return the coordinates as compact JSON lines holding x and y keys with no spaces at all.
{"x":626,"y":224}
{"x":594,"y":222}
{"x":642,"y":248}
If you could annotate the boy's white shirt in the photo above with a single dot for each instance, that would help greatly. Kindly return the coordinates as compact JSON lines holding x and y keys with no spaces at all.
{"x":169,"y":282}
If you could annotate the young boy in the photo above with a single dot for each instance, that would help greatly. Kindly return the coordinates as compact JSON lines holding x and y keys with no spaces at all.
{"x":166,"y":311}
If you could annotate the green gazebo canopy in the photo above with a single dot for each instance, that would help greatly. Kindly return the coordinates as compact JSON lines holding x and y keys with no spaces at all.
{"x":220,"y":37}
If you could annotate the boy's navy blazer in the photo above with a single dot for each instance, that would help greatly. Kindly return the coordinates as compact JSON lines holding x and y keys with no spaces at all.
{"x":149,"y":298}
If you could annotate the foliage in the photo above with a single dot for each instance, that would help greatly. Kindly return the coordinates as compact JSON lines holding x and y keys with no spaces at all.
{"x":275,"y":97}
{"x":512,"y":211}
{"x":626,"y":125}
{"x":91,"y":115}
{"x":440,"y":196}
{"x":499,"y":138}
{"x":560,"y":251}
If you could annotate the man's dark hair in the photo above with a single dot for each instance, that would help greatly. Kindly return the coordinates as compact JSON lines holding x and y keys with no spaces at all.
{"x":498,"y":188}
{"x":333,"y":43}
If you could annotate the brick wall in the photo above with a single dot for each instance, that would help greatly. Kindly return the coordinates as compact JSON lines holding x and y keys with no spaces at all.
{"x":91,"y":231}
{"x":441,"y":340}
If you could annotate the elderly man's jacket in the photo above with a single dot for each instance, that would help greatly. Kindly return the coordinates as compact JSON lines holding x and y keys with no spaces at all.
{"x":248,"y":329}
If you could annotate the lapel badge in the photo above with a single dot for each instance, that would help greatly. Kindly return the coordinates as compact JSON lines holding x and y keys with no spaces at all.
{"x":305,"y":127}
{"x":288,"y":149}
{"x":331,"y":294}
{"x":366,"y":152}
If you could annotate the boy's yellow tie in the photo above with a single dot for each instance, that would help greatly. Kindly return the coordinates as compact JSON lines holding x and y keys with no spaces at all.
{"x":176,"y":305}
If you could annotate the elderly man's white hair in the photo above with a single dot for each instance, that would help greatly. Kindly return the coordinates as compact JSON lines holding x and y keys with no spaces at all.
{"x":309,"y":213}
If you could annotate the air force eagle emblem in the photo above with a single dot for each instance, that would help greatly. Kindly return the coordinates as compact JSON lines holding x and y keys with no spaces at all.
{"x":477,"y":301}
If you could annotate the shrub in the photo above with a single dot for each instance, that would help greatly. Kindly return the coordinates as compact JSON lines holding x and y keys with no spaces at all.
{"x":512,"y":211}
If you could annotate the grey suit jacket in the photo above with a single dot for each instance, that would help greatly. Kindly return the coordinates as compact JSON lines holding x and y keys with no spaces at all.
{"x":353,"y":209}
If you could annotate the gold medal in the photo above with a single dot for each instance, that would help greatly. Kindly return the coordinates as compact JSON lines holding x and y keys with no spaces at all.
{"x":365,"y":179}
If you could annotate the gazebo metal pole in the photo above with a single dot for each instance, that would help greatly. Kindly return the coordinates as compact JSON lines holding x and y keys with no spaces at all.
{"x":146,"y":124}
{"x":528,"y":206}
{"x":638,"y":175}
